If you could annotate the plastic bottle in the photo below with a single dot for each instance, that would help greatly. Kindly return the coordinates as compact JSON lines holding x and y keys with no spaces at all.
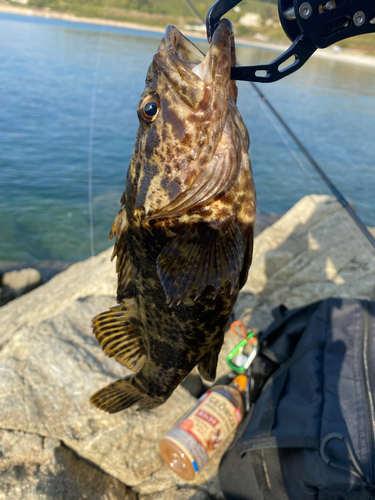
{"x":199,"y":434}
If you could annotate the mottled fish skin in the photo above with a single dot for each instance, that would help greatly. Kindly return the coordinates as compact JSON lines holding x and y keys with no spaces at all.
{"x":184,"y":235}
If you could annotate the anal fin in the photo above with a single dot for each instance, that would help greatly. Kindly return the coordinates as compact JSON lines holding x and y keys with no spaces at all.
{"x":198,"y":257}
{"x":120,"y":395}
{"x":118,"y":335}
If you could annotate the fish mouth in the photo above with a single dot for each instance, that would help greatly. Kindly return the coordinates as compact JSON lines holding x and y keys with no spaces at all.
{"x":184,"y":53}
{"x":183,"y":63}
{"x":222,"y":50}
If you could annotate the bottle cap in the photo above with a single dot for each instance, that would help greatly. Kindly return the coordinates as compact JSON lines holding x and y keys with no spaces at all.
{"x":240,"y":382}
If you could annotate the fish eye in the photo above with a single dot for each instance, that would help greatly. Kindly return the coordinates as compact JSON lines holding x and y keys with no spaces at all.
{"x":148,"y":107}
{"x":151,"y":108}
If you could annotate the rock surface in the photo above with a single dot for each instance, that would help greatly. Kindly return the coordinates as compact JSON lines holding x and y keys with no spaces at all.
{"x":41,"y":467}
{"x":16,"y":283}
{"x":40,"y":272}
{"x":54,"y":445}
{"x":313,"y":252}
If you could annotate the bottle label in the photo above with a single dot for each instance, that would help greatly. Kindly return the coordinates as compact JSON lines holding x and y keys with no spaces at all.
{"x":212,"y":421}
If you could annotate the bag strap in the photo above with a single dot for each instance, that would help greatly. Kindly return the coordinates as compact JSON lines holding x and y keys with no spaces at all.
{"x":272,"y":469}
{"x":262,"y":471}
{"x":278,"y":442}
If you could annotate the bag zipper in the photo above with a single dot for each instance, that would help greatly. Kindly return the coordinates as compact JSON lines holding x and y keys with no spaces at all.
{"x":369,"y":376}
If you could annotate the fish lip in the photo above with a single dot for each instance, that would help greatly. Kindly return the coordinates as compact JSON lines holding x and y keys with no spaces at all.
{"x":186,"y":56}
{"x":181,"y":50}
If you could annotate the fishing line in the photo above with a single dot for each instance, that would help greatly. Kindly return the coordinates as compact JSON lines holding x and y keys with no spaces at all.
{"x":195,"y":10}
{"x":90,"y":150}
{"x":91,"y":138}
{"x":307,"y":155}
{"x":317,"y":167}
{"x":283,"y":134}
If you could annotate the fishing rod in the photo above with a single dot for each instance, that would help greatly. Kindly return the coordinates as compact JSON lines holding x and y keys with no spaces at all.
{"x":304,"y":24}
{"x":344,"y":202}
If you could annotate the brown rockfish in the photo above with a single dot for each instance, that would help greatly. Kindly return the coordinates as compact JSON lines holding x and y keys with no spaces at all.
{"x":184,"y":234}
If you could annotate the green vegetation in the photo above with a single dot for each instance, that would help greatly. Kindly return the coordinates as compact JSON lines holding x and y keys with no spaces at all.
{"x":180,"y":13}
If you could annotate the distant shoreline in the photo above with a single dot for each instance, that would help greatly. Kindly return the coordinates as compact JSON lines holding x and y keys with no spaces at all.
{"x":345,"y":55}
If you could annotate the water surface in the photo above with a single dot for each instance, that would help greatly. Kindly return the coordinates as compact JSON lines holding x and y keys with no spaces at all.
{"x":68,"y":96}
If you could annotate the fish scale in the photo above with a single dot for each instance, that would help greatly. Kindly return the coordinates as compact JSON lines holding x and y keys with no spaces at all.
{"x":184,"y":234}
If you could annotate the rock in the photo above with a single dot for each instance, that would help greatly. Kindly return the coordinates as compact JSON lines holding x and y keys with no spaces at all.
{"x":51,"y":363}
{"x":47,"y":268}
{"x":92,"y":277}
{"x":263,"y":221}
{"x":194,"y":384}
{"x":19,"y":281}
{"x":313,"y":252}
{"x":52,"y":398}
{"x":208,"y":491}
{"x":16,"y":283}
{"x":34,"y":466}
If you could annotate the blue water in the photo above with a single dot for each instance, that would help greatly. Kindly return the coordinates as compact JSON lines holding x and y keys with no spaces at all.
{"x":64,"y":86}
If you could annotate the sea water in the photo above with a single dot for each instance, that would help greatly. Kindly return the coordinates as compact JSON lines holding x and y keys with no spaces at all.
{"x":68,"y":98}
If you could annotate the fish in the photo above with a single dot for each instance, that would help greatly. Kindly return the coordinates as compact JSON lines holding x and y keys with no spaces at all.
{"x":184,"y":233}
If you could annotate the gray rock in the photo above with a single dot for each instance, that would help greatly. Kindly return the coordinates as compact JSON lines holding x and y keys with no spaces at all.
{"x":51,"y":363}
{"x":47,"y":268}
{"x":263,"y":221}
{"x":51,"y":398}
{"x":313,"y":252}
{"x":25,"y":279}
{"x":207,"y":491}
{"x":93,"y":277}
{"x":36,"y":467}
{"x":16,"y":283}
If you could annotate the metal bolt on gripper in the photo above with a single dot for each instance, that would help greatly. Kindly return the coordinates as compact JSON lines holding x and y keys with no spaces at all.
{"x":359,"y":18}
{"x":305,"y":10}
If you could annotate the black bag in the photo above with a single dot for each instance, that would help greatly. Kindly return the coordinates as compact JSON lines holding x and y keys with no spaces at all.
{"x":311,"y":433}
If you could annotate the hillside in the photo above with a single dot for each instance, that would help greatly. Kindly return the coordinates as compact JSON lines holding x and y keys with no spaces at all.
{"x":252,"y":19}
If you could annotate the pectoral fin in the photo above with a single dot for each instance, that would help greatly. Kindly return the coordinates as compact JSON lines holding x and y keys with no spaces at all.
{"x":118,"y":335}
{"x":198,"y":257}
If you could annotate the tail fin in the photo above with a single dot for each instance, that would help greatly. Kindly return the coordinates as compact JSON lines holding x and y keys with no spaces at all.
{"x":120,"y":395}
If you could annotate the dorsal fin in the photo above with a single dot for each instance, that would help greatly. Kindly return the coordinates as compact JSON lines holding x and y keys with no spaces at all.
{"x":125,"y":282}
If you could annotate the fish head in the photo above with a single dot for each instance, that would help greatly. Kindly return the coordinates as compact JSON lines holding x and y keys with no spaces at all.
{"x":182,"y":113}
{"x":190,"y":73}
